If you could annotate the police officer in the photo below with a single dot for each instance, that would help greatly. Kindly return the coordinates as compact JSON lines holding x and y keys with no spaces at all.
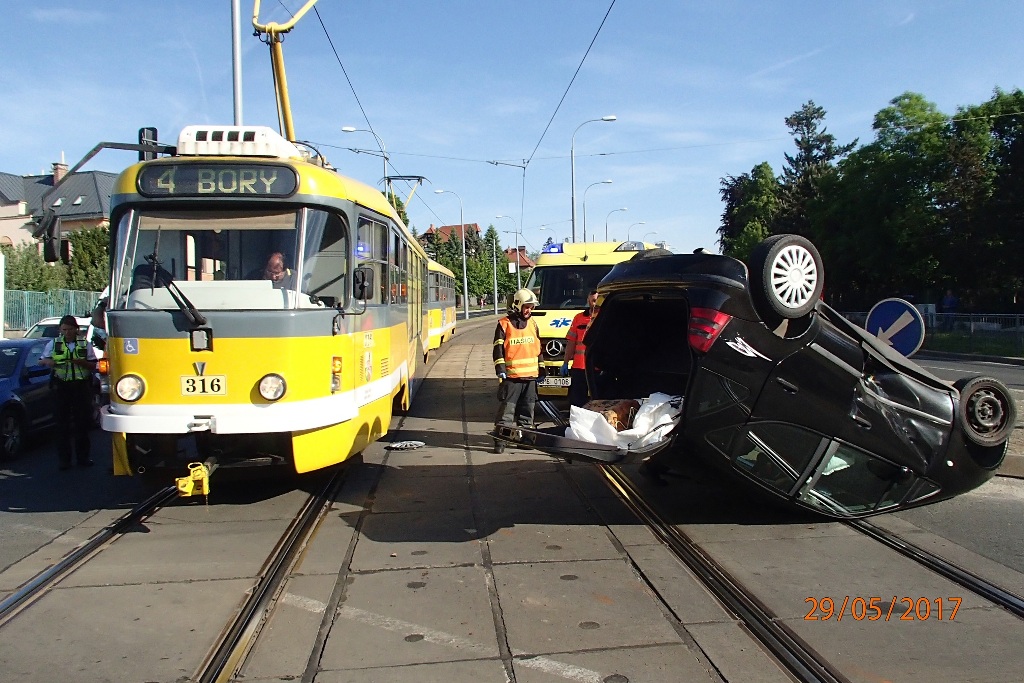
{"x":517,"y":362}
{"x":574,"y":353}
{"x":73,"y":361}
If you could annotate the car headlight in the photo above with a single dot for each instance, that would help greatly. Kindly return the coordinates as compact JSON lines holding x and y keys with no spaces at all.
{"x":272,"y":387}
{"x":130,"y":388}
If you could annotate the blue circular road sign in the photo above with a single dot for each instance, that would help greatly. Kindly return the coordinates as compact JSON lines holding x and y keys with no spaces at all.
{"x":897,"y":323}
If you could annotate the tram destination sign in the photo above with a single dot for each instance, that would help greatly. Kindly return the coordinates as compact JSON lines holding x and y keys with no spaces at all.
{"x":217,"y":180}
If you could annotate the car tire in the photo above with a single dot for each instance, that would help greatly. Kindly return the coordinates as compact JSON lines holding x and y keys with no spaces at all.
{"x":12,"y":433}
{"x":787,"y":277}
{"x":987,"y":411}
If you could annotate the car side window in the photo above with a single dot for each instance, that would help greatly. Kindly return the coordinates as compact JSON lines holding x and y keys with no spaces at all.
{"x":855,"y":481}
{"x":778,"y":454}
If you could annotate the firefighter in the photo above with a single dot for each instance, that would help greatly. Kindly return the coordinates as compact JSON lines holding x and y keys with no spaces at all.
{"x":517,"y":363}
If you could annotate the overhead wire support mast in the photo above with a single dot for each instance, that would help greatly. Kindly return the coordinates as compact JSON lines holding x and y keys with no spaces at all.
{"x":275,"y":34}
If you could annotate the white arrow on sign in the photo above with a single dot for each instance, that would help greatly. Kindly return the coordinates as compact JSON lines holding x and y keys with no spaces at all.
{"x":895,"y":328}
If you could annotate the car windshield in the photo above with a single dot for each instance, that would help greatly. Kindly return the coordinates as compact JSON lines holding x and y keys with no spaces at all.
{"x":51,"y":331}
{"x":8,"y":360}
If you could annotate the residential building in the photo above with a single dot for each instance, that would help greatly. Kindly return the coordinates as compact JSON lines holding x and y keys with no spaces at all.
{"x":81,"y":201}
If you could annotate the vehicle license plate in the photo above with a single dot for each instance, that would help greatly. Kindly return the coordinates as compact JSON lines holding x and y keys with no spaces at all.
{"x":555,"y":382}
{"x":207,"y":385}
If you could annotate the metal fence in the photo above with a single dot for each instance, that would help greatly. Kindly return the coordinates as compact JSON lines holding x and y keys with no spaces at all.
{"x":991,"y":334}
{"x":23,"y":309}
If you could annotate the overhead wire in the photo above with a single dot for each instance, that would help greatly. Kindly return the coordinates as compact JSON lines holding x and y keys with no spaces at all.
{"x":366,"y":117}
{"x":571,"y":81}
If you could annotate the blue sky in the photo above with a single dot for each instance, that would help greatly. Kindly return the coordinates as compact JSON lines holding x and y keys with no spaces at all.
{"x":700,"y":91}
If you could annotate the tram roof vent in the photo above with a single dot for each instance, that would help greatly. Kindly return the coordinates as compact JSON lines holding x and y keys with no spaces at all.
{"x":237,"y":141}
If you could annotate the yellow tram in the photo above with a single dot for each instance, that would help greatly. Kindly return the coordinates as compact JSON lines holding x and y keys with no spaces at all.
{"x":441,"y":313}
{"x":263,"y":308}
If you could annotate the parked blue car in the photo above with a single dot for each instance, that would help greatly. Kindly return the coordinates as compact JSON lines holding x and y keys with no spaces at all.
{"x":26,"y":402}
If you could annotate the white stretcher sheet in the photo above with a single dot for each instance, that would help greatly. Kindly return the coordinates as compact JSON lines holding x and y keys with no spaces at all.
{"x":658,"y":415}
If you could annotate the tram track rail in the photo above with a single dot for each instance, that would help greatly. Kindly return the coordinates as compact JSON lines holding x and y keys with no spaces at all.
{"x":794,"y":654}
{"x":801,"y":660}
{"x":39,"y":585}
{"x":232,"y":646}
{"x":1008,"y":600}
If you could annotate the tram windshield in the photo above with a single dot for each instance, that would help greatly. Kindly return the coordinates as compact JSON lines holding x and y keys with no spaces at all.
{"x":232,"y":260}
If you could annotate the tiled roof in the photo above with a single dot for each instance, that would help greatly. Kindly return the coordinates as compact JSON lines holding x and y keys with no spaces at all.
{"x":12,"y":188}
{"x":444,"y":232}
{"x":90,"y":189}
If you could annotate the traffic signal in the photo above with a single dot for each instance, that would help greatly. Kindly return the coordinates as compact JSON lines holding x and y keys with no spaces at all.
{"x":147,"y":136}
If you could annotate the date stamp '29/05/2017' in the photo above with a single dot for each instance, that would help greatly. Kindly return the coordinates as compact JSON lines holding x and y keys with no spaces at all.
{"x":877,"y":608}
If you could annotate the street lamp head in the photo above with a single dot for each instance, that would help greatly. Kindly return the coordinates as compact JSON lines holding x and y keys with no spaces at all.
{"x":348,"y":129}
{"x":438,"y":191}
{"x":610,"y":117}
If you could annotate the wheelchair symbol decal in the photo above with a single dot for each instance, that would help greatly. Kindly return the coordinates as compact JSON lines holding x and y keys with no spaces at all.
{"x":131,"y":346}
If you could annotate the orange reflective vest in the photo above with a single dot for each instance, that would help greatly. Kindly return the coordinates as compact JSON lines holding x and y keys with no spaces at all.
{"x":577,"y":330}
{"x":521,"y":349}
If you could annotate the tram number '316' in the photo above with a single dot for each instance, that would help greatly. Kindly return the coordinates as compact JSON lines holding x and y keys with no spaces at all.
{"x":207,"y":385}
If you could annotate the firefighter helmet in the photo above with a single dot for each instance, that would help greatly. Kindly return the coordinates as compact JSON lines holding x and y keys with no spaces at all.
{"x":524,"y":297}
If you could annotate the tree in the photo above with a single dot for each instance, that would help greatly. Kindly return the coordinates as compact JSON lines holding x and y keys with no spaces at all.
{"x":399,"y":205}
{"x":89,"y":269}
{"x":751,"y":208}
{"x":26,"y":269}
{"x":817,"y":154}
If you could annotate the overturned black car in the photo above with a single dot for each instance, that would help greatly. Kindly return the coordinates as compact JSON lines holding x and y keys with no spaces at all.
{"x":779,"y":388}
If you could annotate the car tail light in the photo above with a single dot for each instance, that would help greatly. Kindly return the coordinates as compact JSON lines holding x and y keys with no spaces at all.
{"x":705,"y":326}
{"x":103,"y":366}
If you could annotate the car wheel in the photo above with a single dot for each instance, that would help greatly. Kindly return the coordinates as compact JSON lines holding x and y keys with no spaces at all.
{"x":787,"y":277}
{"x":987,"y":411}
{"x":12,"y":433}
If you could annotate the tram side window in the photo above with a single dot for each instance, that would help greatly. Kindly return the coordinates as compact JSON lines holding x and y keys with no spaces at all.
{"x":403,"y":290}
{"x":434,"y":290}
{"x":325,"y":264}
{"x":372,"y":253}
{"x":395,"y":267}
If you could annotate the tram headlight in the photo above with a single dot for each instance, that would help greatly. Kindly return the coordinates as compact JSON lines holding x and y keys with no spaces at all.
{"x":130,"y":388}
{"x":272,"y":387}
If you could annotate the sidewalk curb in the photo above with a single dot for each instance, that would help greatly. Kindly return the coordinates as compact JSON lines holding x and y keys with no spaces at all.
{"x":949,"y":355}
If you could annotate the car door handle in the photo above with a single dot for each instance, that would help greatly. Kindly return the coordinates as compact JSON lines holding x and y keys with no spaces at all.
{"x":787,"y":386}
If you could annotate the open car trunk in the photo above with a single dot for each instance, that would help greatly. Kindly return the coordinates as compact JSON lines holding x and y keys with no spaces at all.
{"x":636,"y":349}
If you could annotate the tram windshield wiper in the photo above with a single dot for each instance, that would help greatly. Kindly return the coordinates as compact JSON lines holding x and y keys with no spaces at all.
{"x":162,"y":278}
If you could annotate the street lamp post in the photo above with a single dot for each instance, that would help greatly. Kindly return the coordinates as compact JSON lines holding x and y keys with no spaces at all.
{"x":631,"y":227}
{"x":462,"y":233}
{"x":519,"y":281}
{"x":599,"y":182}
{"x":644,"y":238}
{"x":383,"y":153}
{"x":606,"y":221}
{"x":572,"y":164}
